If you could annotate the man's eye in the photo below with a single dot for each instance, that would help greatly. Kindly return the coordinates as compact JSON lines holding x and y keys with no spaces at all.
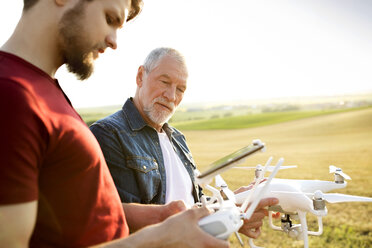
{"x":180,"y":90}
{"x":109,"y":19}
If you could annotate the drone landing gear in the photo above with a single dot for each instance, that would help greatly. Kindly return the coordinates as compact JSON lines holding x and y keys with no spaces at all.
{"x":296,"y":231}
{"x":252,"y":245}
{"x":302,"y":216}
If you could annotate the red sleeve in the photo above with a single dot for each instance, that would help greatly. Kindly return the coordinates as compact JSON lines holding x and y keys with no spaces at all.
{"x":22,"y":142}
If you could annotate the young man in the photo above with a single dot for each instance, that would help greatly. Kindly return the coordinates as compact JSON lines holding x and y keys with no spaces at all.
{"x":149,"y":160}
{"x":55,"y":187}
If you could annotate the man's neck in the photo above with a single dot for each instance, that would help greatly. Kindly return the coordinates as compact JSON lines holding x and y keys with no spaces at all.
{"x":35,"y":42}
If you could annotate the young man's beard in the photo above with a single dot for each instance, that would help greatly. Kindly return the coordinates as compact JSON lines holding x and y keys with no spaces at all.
{"x":77,"y":54}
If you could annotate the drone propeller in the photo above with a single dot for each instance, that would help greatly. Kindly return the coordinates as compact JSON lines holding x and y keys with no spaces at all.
{"x":337,"y":198}
{"x":220,"y":183}
{"x":329,"y":197}
{"x":270,"y":168}
{"x":334,"y":169}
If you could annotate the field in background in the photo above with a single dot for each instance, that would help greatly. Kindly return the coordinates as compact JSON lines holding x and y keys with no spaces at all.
{"x":343,"y":139}
{"x":246,"y":113}
{"x":252,"y":120}
{"x":91,"y":115}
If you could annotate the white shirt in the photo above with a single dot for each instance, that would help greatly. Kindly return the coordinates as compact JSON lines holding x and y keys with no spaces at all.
{"x":178,"y":181}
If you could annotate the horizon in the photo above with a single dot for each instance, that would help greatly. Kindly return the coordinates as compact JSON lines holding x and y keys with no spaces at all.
{"x":308,"y":100}
{"x":242,"y":51}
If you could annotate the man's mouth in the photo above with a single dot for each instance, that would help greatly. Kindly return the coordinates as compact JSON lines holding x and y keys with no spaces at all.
{"x":169,"y":108}
{"x":97,"y":52}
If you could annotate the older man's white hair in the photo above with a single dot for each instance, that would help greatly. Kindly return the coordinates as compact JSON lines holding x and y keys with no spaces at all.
{"x":158,"y":53}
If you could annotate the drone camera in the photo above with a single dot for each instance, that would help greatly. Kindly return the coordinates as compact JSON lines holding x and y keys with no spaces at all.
{"x":286,"y":223}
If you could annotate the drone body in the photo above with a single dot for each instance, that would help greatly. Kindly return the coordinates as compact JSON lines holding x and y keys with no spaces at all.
{"x":292,"y":193}
{"x":290,"y":203}
{"x":299,"y":197}
{"x":296,"y":199}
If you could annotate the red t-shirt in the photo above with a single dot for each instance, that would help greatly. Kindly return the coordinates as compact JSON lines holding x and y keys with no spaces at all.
{"x":48,"y":154}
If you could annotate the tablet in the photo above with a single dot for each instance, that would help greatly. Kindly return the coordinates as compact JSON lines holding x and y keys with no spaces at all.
{"x":229,"y":161}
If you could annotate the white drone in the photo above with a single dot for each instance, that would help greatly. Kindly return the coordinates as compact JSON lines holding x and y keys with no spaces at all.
{"x":299,"y":197}
{"x":296,"y":198}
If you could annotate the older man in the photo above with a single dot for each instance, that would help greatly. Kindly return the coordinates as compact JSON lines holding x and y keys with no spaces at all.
{"x":149,"y":160}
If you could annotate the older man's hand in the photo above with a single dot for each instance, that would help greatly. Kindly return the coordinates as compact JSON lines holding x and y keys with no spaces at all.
{"x":252,"y":227}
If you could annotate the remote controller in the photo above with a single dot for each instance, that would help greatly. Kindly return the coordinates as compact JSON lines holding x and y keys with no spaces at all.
{"x":222,"y":223}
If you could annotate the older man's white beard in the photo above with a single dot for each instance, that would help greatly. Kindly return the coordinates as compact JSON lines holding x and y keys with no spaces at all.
{"x":159,"y":117}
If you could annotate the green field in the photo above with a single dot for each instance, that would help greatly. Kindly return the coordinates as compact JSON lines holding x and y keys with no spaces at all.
{"x":342,"y":139}
{"x":252,"y":120}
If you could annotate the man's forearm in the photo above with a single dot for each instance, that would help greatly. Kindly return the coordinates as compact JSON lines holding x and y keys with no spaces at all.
{"x":151,"y":236}
{"x":140,"y":215}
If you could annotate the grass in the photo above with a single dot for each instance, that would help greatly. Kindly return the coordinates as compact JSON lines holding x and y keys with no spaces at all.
{"x":251,"y":120}
{"x":342,"y":139}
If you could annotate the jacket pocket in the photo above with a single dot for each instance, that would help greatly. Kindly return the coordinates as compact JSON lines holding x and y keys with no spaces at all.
{"x":148,"y":179}
{"x":142,"y":164}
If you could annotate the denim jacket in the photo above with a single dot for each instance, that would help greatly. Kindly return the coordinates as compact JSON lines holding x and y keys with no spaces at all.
{"x":134,"y":157}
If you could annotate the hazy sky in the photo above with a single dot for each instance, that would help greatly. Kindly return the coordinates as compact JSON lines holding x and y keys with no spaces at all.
{"x":235,"y":49}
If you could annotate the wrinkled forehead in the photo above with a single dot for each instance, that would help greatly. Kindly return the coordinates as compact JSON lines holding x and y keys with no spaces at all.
{"x":171,"y":64}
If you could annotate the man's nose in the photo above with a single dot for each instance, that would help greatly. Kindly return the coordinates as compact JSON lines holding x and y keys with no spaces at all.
{"x":111,"y":40}
{"x":170,"y":94}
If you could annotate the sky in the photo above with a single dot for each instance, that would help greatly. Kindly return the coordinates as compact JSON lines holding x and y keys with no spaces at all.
{"x":236,"y":50}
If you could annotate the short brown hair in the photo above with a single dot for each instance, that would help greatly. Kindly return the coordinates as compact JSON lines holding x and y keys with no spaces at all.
{"x":135,"y":9}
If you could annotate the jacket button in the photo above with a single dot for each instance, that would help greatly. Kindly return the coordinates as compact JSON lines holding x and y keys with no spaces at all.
{"x":144,"y":167}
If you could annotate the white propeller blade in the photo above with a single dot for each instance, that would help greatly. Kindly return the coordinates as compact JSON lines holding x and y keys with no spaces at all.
{"x":270,"y":168}
{"x":329,"y":197}
{"x":336,"y":198}
{"x":219,"y":181}
{"x":334,"y":169}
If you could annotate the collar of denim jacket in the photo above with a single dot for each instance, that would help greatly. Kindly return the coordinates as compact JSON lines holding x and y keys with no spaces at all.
{"x":135,"y":120}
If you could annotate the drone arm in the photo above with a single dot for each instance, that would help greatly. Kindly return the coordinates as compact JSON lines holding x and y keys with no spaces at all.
{"x":216,"y":193}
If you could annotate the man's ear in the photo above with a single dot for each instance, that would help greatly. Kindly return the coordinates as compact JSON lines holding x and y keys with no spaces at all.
{"x":140,"y":74}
